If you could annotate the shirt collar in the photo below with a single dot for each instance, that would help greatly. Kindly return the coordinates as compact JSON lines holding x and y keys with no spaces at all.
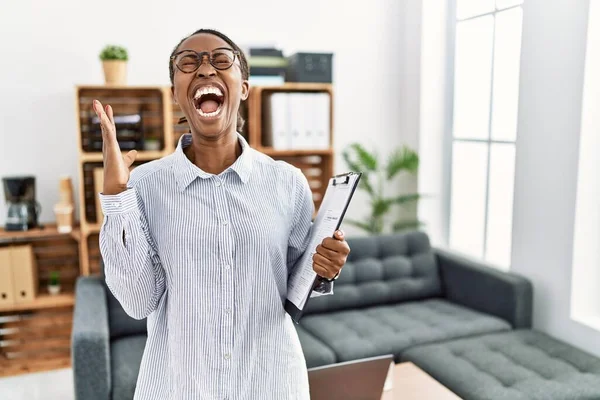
{"x":186,"y":171}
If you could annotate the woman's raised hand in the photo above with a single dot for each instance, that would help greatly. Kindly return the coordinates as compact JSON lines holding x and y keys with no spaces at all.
{"x":116,"y":165}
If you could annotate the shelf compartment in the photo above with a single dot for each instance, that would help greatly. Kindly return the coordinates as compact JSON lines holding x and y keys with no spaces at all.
{"x":138,"y":114}
{"x":37,"y":340}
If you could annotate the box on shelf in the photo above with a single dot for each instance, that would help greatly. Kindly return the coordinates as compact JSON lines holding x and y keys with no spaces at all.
{"x":310,"y":67}
{"x":7,"y":292}
{"x":18,"y":275}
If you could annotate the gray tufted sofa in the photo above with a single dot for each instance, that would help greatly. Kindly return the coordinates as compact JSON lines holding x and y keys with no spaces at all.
{"x":396,"y":292}
{"x":466,"y":324}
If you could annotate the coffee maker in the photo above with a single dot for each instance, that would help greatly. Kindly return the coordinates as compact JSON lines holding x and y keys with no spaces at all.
{"x":22,"y":208}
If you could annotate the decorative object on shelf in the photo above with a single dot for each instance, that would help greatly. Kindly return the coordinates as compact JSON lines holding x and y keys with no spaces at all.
{"x":310,"y":67}
{"x":400,"y":160}
{"x":64,"y":210}
{"x":64,"y":214}
{"x":114,"y":62}
{"x":267,"y":66}
{"x":65,"y":190}
{"x":151,"y":144}
{"x":22,"y":208}
{"x":54,"y":283}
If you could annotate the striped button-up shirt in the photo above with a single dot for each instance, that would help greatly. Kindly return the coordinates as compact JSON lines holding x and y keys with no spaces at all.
{"x":206,"y":258}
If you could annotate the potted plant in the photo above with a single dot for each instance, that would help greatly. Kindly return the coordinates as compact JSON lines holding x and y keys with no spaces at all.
{"x":54,"y":283}
{"x":376,"y":176}
{"x":114,"y":62}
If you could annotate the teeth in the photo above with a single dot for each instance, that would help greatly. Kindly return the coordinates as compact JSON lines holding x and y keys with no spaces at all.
{"x":207,"y":90}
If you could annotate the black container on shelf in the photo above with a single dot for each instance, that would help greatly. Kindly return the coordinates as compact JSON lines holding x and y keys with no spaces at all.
{"x":129,"y":133}
{"x":310,"y":67}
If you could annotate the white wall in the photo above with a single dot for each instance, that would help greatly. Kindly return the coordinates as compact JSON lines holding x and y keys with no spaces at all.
{"x":54,"y":45}
{"x":585,"y":285}
{"x":434,"y":106}
{"x":550,"y":106}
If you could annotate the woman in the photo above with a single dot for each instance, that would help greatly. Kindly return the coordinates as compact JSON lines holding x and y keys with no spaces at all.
{"x":202,"y":243}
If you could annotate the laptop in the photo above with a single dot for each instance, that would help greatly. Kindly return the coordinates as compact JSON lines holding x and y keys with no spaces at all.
{"x":361,"y":379}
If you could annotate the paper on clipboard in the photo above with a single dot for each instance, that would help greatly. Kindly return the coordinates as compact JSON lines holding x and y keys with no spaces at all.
{"x":329,"y":218}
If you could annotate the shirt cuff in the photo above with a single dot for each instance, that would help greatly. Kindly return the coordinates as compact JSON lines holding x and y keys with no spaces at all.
{"x":121,"y":203}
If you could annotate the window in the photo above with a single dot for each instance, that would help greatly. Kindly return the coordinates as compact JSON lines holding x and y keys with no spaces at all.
{"x":487,"y":47}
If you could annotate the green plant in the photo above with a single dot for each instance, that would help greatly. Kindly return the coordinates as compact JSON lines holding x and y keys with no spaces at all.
{"x":54,"y":278}
{"x":376,"y":176}
{"x":113,"y":52}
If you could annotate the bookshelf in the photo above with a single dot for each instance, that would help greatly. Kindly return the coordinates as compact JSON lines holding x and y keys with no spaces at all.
{"x":159,"y":116}
{"x":316,"y":164}
{"x":35,"y":334}
{"x":146,"y":116}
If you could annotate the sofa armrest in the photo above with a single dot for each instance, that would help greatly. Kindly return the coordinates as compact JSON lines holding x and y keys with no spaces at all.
{"x":90,"y":340}
{"x":486,"y":289}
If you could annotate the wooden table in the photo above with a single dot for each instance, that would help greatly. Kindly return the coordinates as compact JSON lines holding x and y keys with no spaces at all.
{"x":412,"y":383}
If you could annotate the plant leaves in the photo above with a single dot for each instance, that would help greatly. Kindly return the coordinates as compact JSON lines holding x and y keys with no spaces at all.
{"x":351,"y":164}
{"x":406,"y":225}
{"x":381,"y":207}
{"x":368,"y":160}
{"x":365,"y":184}
{"x":403,"y":159}
{"x":406,"y":198}
{"x":363,"y":225}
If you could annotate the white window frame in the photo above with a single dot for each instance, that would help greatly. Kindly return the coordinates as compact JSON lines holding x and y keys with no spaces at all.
{"x":449,"y":123}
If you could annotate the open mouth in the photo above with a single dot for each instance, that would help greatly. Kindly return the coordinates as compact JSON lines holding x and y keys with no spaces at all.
{"x":208,"y":101}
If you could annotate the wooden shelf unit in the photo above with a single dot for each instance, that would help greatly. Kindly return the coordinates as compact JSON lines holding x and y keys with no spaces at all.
{"x":35,"y":335}
{"x":153,"y":111}
{"x":317,"y":165}
{"x":35,"y":340}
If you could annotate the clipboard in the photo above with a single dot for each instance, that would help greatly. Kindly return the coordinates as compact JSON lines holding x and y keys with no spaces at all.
{"x":331,"y":213}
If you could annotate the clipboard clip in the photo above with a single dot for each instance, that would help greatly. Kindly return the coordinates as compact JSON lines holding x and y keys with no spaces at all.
{"x":342,"y":179}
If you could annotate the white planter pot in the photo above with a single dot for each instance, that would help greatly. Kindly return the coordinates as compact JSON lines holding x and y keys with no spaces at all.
{"x":54,"y":290}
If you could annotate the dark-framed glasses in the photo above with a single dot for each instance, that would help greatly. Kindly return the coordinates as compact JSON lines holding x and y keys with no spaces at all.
{"x":189,"y":61}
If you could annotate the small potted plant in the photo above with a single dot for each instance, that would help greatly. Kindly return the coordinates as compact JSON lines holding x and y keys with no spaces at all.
{"x":54,"y":283}
{"x":114,"y":62}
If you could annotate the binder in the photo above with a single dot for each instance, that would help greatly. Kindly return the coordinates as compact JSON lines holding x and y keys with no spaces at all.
{"x":279,"y":118}
{"x":321,"y":120}
{"x":297,"y":121}
{"x":24,"y":271}
{"x":331,"y":213}
{"x":7,"y":296}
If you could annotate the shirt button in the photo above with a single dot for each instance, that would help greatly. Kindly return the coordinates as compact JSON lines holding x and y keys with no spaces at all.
{"x":228,"y":311}
{"x":224,"y":222}
{"x":227,"y":266}
{"x":218,"y":183}
{"x":227,"y":356}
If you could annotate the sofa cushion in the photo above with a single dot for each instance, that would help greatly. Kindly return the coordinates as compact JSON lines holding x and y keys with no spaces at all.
{"x":125,"y":359}
{"x":354,"y":334}
{"x":381,"y":270}
{"x":120,"y":324}
{"x":316,"y":352}
{"x":515,"y":365}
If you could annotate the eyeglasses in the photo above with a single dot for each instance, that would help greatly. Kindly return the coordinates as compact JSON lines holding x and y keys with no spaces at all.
{"x":189,"y":61}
